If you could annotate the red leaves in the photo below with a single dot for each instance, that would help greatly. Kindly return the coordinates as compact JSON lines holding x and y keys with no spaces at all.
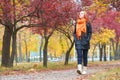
{"x":13,"y":11}
{"x":54,"y":13}
{"x":109,"y":20}
{"x":6,"y":9}
{"x":86,"y":2}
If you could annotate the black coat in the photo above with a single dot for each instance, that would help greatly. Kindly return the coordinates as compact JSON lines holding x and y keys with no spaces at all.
{"x":84,"y":42}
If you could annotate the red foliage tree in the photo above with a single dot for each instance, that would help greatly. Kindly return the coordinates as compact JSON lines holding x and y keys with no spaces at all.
{"x":86,"y":2}
{"x":29,"y":13}
{"x":13,"y":16}
{"x":53,"y":14}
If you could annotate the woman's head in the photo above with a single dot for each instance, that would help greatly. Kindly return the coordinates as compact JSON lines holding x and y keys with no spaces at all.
{"x":83,"y":14}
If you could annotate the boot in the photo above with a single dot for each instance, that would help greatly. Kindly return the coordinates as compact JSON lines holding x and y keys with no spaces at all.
{"x":79,"y":71}
{"x":84,"y":70}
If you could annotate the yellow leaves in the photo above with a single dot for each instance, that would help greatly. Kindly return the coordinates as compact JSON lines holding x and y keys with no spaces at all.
{"x":58,"y":44}
{"x":20,"y":2}
{"x":33,"y":43}
{"x":95,"y":38}
{"x":29,"y":41}
{"x":106,"y":35}
{"x":1,"y":37}
{"x":103,"y":36}
{"x":99,"y":6}
{"x":54,"y":47}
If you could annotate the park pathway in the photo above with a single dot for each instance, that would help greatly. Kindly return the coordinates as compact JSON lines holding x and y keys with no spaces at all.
{"x":59,"y":74}
{"x":49,"y":75}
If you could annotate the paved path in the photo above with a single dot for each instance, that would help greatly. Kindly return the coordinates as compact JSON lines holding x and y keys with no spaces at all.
{"x":59,"y":75}
{"x":49,"y":75}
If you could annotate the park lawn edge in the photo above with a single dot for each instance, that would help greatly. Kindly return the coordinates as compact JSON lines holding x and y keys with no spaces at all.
{"x":38,"y":67}
{"x":111,"y":74}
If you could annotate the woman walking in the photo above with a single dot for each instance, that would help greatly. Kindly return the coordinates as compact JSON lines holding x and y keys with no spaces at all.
{"x":82,"y":36}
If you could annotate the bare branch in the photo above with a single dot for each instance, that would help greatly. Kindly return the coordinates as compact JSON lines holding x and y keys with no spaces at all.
{"x":28,"y":26}
{"x":51,"y":32}
{"x":28,"y":15}
{"x":65,"y":33}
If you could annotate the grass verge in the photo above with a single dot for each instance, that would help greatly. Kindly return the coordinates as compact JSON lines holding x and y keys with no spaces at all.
{"x":30,"y":67}
{"x":111,"y":74}
{"x":38,"y":66}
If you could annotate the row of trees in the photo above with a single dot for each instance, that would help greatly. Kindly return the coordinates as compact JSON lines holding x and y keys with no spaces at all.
{"x":45,"y":14}
{"x":44,"y":17}
{"x":108,"y":17}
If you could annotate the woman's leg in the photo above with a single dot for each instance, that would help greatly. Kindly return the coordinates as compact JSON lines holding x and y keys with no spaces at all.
{"x":79,"y":56}
{"x":85,"y":57}
{"x":85,"y":61}
{"x":79,"y":59}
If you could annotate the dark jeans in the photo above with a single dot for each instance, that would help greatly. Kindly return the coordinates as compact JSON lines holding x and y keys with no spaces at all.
{"x":82,"y":56}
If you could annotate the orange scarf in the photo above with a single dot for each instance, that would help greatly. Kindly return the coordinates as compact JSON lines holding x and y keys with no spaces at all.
{"x":80,"y":27}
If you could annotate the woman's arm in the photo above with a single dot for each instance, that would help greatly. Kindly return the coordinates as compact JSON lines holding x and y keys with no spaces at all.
{"x":89,"y":31}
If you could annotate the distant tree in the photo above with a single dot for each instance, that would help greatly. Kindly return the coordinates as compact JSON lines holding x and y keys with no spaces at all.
{"x":107,"y":17}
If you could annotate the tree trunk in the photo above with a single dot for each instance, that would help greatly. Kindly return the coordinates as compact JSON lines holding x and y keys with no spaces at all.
{"x":115,"y":48}
{"x":14,"y":50}
{"x":55,"y":56}
{"x":116,"y":51}
{"x":68,"y":53}
{"x":46,"y":37}
{"x":110,"y":53}
{"x":16,"y":56}
{"x":19,"y":48}
{"x":93,"y":53}
{"x":41,"y":45}
{"x":101,"y":52}
{"x":26,"y":50}
{"x":6,"y":48}
{"x":45,"y":53}
{"x":93,"y":57}
{"x":51,"y":57}
{"x":119,"y":51}
{"x":104,"y":46}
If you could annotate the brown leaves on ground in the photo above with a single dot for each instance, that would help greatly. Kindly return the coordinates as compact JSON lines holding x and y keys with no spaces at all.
{"x":104,"y":66}
{"x":114,"y":76}
{"x":84,"y":77}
